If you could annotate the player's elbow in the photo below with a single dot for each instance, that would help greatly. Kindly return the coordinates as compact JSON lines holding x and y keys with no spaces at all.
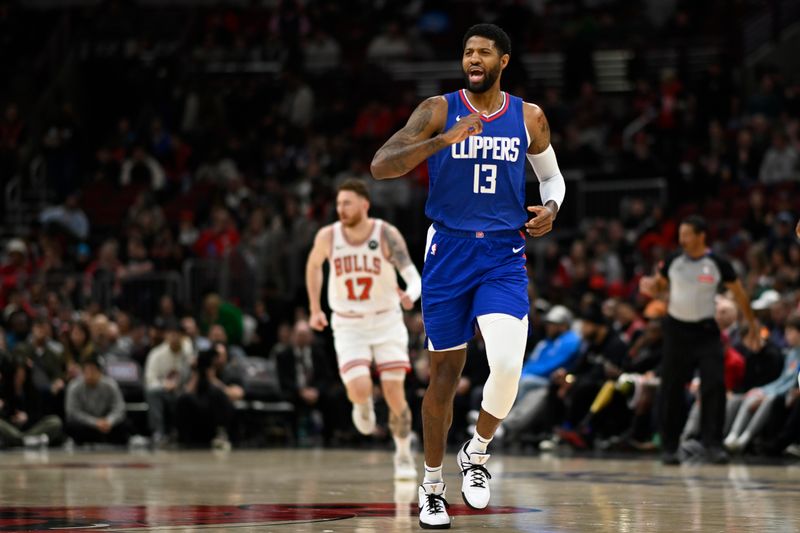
{"x":382,"y":169}
{"x":378,"y":168}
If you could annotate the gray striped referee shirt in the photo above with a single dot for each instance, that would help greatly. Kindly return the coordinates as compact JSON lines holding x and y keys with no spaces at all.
{"x":693,"y":284}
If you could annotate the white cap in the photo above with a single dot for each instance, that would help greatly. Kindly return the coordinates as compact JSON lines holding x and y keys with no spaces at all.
{"x":767,"y":298}
{"x":558,"y":314}
{"x":16,"y":245}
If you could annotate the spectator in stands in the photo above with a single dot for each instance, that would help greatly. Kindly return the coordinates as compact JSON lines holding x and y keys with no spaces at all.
{"x":789,"y":434}
{"x":138,"y":262}
{"x":298,"y":101}
{"x":77,"y":347}
{"x":204,"y":411}
{"x":47,"y":364}
{"x":22,"y":415}
{"x":557,"y":350}
{"x":192,"y":332}
{"x":321,"y":52}
{"x":95,"y":409}
{"x":105,"y":272}
{"x":187,"y":232}
{"x":218,"y":239}
{"x":763,"y":307}
{"x":601,"y":358}
{"x":166,"y":309}
{"x":780,"y":161}
{"x":308,"y":380}
{"x":756,"y":408}
{"x":18,"y":326}
{"x":166,"y":370}
{"x":17,"y":269}
{"x":67,"y":218}
{"x":636,"y":384}
{"x":142,"y":168}
{"x":227,"y":315}
{"x":392,"y":44}
{"x":627,"y":322}
{"x":230,"y":364}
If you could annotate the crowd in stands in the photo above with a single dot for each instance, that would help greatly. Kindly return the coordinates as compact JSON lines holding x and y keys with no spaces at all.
{"x":164,"y":154}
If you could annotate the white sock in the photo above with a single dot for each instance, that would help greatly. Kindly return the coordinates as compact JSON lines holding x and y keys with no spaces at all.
{"x":478,"y":444}
{"x":402,"y":445}
{"x":433,"y":474}
{"x":363,"y":409}
{"x":743,"y":439}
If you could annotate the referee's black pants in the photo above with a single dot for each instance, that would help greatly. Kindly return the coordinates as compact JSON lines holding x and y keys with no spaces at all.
{"x":687,"y":346}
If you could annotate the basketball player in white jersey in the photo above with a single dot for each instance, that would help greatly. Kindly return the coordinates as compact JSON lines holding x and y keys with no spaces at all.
{"x":367,"y":321}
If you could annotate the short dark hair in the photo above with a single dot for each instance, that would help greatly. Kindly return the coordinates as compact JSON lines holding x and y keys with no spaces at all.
{"x":356,"y":185}
{"x":793,"y":321}
{"x":94,"y":360}
{"x":491,"y":31}
{"x":697,"y":223}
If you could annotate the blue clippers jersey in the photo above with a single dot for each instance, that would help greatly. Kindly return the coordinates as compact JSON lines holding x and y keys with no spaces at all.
{"x":479,"y":184}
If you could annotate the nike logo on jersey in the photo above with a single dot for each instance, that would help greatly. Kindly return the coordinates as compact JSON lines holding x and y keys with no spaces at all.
{"x":458,"y":118}
{"x":517,"y":250}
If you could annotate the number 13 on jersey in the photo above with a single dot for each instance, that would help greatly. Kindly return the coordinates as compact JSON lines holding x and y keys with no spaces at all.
{"x":484,"y":174}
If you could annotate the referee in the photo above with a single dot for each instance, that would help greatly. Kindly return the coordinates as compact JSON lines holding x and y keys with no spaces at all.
{"x":692,"y":276}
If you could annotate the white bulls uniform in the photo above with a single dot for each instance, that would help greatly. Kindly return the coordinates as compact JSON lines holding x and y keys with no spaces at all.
{"x":367,"y":320}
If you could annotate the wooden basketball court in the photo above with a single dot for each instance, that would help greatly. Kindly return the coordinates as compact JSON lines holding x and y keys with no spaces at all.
{"x":337,"y":491}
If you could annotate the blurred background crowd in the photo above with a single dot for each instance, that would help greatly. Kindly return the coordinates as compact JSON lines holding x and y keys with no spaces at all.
{"x":165,"y":166}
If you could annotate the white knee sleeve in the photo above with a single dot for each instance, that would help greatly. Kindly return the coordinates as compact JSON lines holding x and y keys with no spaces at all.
{"x":393,"y":375}
{"x":354,"y":372}
{"x":505,"y":338}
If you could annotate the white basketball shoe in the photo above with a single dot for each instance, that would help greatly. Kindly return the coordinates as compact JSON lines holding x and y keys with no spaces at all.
{"x":475,"y":485}
{"x":433,"y":506}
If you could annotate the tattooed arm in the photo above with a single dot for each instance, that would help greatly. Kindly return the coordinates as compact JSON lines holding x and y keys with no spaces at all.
{"x":543,"y":160}
{"x":395,"y":250}
{"x":420,"y":138}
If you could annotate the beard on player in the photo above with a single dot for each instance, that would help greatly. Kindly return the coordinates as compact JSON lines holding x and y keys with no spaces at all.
{"x":352,"y":219}
{"x":489,"y":77}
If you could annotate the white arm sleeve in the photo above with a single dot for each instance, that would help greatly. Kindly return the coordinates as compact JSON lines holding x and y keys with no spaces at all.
{"x":551,"y":182}
{"x":413,"y":282}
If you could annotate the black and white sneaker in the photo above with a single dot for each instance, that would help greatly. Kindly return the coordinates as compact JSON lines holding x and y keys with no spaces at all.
{"x":475,"y":485}
{"x":433,"y":507}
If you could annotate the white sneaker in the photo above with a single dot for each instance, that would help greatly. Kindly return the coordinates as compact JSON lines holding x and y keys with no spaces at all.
{"x":364,"y":421}
{"x":475,"y":485}
{"x":221,"y":443}
{"x":433,"y":506}
{"x":793,"y":449}
{"x":404,"y":467}
{"x":731,"y":443}
{"x":35,"y":441}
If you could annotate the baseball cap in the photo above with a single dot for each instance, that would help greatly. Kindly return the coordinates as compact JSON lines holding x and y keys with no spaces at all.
{"x":16,"y":245}
{"x":765,"y":300}
{"x":558,"y":314}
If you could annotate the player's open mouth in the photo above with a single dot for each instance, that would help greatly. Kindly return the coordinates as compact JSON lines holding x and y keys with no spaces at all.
{"x":476,"y":75}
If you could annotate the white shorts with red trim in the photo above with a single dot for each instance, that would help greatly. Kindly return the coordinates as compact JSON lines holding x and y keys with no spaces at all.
{"x":380,"y":338}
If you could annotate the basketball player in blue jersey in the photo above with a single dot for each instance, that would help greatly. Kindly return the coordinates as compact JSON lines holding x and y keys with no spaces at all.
{"x":476,"y":141}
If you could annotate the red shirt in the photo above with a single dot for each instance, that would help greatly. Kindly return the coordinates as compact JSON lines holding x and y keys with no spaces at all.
{"x":212,"y":244}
